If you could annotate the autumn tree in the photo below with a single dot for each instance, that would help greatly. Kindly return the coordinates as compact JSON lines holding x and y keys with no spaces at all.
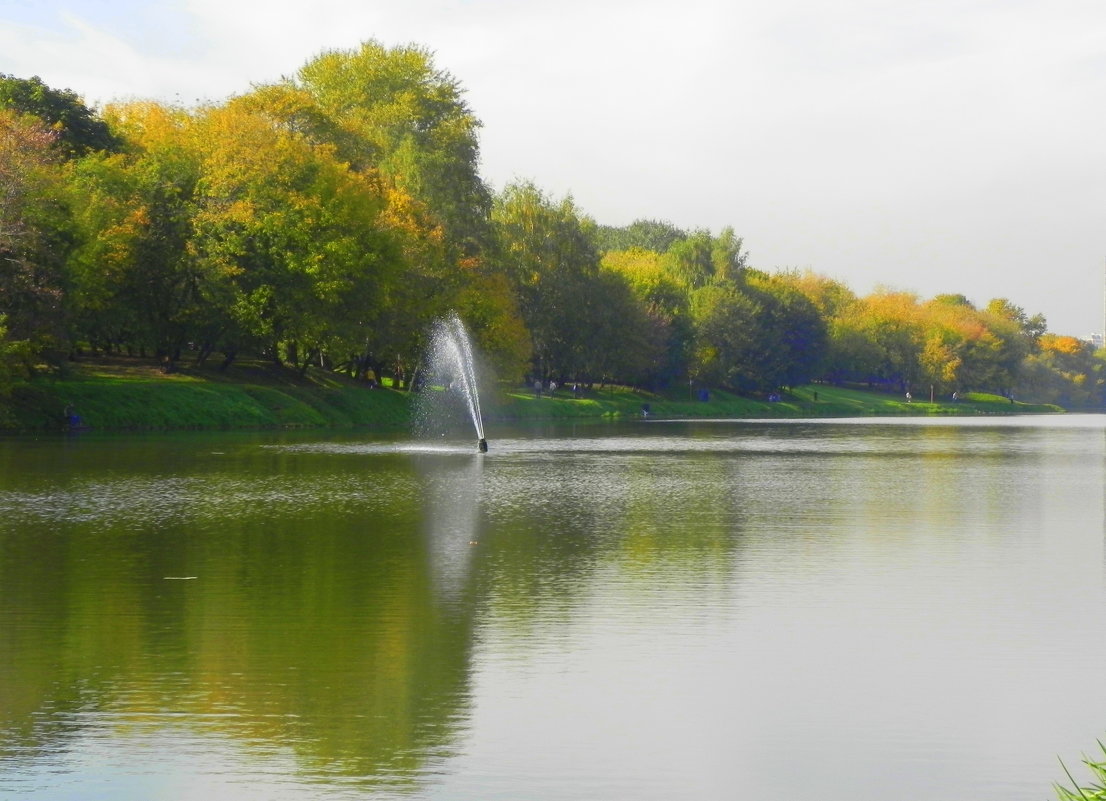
{"x":1033,"y":327}
{"x":293,"y":242}
{"x":848,"y":353}
{"x":830,"y":297}
{"x":140,"y":287}
{"x":1065,"y":371}
{"x":878,"y":340}
{"x":488,"y":305}
{"x":36,"y":233}
{"x":392,"y":113}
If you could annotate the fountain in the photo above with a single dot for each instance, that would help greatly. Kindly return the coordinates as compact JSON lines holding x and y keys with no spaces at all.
{"x":450,"y":363}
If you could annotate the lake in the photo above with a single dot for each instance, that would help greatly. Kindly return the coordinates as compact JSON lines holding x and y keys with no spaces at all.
{"x":839,"y":609}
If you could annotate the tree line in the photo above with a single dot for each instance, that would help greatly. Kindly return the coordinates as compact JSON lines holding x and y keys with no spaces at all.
{"x":326,"y":219}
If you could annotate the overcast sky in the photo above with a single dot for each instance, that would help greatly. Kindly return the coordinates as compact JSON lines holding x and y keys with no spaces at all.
{"x":933,"y":146}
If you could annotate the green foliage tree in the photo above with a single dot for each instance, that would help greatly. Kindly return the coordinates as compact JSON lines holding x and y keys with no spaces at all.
{"x":728,"y":260}
{"x":78,"y":128}
{"x":691,"y":260}
{"x":296,"y":240}
{"x":391,"y":113}
{"x":700,"y":258}
{"x":727,"y":349}
{"x":625,"y":343}
{"x":393,"y":110}
{"x":548,"y":254}
{"x":1032,"y":327}
{"x":792,"y":336}
{"x":667,"y":307}
{"x":653,"y":235}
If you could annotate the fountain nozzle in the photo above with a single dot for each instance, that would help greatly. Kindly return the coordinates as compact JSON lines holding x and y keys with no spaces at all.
{"x":482,"y":446}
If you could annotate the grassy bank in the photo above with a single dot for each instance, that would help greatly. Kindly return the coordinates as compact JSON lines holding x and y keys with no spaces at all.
{"x":815,"y":400}
{"x":124,"y":394}
{"x":134,"y":395}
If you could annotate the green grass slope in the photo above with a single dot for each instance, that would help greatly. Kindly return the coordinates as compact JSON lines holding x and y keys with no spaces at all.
{"x":123,"y":395}
{"x":814,"y":400}
{"x":133,"y":395}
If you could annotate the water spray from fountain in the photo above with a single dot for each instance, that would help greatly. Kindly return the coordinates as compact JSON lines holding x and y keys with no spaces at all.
{"x":450,"y":361}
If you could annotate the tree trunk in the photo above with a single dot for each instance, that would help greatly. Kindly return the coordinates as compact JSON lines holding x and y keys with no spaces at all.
{"x":308,"y":358}
{"x":205,"y":351}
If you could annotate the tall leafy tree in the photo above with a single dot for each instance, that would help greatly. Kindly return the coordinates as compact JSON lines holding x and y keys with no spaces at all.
{"x":488,"y":305}
{"x":79,"y":129}
{"x":36,"y":232}
{"x":883,"y":335}
{"x":1065,"y":370}
{"x":139,"y":280}
{"x":391,"y":113}
{"x":667,"y":308}
{"x":727,"y":338}
{"x":727,"y":256}
{"x":792,"y":335}
{"x":296,"y":240}
{"x":548,"y":253}
{"x":1032,"y":326}
{"x":691,"y":260}
{"x":653,"y":235}
{"x":393,"y":110}
{"x":965,"y":348}
{"x":626,"y":343}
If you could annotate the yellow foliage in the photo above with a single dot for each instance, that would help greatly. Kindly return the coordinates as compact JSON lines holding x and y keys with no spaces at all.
{"x":147,"y":123}
{"x":830,"y":297}
{"x":1056,"y":343}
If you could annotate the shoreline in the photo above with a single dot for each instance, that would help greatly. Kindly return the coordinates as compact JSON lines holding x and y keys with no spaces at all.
{"x":132,"y":395}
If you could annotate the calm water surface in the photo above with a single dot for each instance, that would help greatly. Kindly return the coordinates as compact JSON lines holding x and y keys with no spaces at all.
{"x":837,"y":610}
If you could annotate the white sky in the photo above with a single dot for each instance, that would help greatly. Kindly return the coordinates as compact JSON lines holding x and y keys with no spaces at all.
{"x":927,"y":145}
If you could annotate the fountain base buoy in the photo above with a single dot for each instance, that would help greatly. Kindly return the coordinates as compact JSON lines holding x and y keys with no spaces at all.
{"x":482,"y":446}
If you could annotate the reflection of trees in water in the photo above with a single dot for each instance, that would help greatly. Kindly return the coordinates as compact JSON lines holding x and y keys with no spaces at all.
{"x":322,"y":635}
{"x":661,"y":522}
{"x":333,"y":611}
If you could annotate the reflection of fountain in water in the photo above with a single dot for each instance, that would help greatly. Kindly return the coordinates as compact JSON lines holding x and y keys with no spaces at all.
{"x":449,"y":387}
{"x":452,"y":487}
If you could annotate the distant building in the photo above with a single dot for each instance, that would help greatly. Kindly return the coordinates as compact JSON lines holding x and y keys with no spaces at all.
{"x":1096,"y":340}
